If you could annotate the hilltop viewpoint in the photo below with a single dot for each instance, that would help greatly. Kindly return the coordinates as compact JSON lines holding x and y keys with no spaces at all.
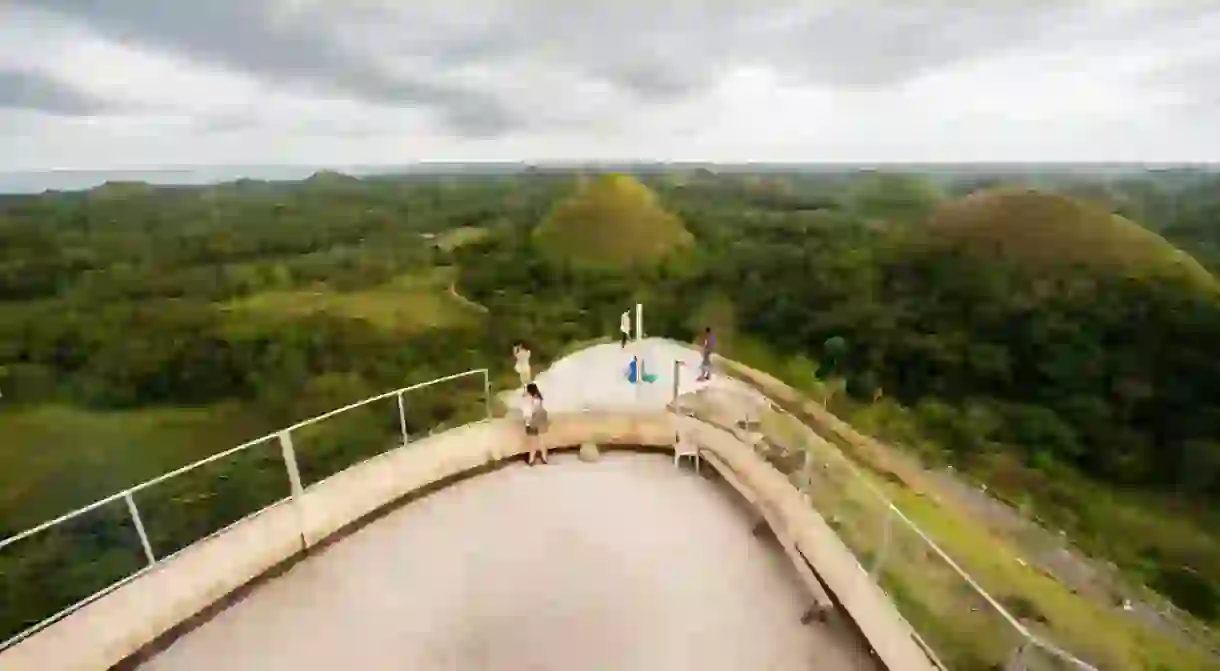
{"x":1043,"y":229}
{"x":611,"y":221}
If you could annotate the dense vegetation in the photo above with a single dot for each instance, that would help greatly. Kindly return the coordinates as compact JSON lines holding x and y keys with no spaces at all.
{"x":142,"y":328}
{"x":1029,"y":374}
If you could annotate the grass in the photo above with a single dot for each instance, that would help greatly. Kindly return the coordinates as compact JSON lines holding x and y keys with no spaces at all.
{"x":960,"y":626}
{"x":1041,"y":227}
{"x":57,"y":458}
{"x":407,"y":304}
{"x":955,"y":622}
{"x":1096,"y":631}
{"x":611,"y":221}
{"x":1143,"y":533}
{"x":1133,"y":537}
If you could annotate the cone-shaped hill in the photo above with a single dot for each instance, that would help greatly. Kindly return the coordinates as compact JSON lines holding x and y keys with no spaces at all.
{"x":611,"y":221}
{"x":1041,"y":229}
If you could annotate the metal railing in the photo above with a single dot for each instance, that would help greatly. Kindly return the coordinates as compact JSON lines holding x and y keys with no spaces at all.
{"x":877,"y":531}
{"x":290,"y":479}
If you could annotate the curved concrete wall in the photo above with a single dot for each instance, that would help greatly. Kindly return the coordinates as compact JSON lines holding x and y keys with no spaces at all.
{"x":118,"y":625}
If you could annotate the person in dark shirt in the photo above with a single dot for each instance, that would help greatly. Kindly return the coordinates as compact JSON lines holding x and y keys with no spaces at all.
{"x":705,"y":367}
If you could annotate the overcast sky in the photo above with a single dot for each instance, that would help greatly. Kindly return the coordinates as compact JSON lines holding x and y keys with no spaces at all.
{"x":101,"y":84}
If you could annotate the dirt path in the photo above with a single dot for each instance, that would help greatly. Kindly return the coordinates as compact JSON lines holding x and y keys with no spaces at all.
{"x":463,"y":300}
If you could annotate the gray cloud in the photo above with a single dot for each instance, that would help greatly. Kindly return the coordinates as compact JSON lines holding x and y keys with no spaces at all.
{"x":227,"y":123}
{"x":408,"y":54}
{"x":653,"y":51}
{"x":33,"y":91}
{"x":670,"y":50}
{"x":1192,"y":83}
{"x":1190,"y":77}
{"x":666,"y":50}
{"x":861,"y":48}
{"x":305,"y":48}
{"x":653,"y":81}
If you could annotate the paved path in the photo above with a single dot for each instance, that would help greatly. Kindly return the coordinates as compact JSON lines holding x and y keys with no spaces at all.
{"x":624,"y":564}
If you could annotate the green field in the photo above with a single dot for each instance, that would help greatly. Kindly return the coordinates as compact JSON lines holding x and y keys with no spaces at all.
{"x":55,"y":458}
{"x":464,"y":235}
{"x":407,"y":304}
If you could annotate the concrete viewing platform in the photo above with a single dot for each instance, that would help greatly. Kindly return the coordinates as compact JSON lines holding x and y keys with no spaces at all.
{"x":445,"y":554}
{"x":595,"y":378}
{"x":627,"y":563}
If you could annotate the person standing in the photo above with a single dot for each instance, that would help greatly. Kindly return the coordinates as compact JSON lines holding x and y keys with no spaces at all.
{"x":624,"y":325}
{"x":705,"y":366}
{"x":536,"y":421}
{"x":522,"y":356}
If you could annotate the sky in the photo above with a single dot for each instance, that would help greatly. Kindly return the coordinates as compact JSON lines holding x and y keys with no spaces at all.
{"x":130,"y":84}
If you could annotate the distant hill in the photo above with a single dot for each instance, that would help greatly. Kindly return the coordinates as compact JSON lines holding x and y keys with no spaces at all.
{"x":611,"y":220}
{"x":1037,"y":227}
{"x":118,"y":190}
{"x":332,"y":179}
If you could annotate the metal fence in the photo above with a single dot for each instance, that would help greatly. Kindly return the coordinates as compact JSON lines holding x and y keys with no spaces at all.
{"x":956,"y":619}
{"x":58,"y":566}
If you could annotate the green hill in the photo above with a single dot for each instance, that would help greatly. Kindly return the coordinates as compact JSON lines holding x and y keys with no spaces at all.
{"x":611,"y":220}
{"x":1042,"y":228}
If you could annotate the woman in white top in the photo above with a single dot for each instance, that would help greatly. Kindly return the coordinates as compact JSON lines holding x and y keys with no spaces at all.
{"x":535,"y":423}
{"x":522,"y":366}
{"x":624,"y":325}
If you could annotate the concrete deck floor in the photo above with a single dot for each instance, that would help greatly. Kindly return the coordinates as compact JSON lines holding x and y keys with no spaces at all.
{"x":624,"y":564}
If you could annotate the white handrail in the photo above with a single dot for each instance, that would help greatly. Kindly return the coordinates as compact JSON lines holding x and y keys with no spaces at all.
{"x":221,"y":455}
{"x":127,"y":494}
{"x":1008,"y":617}
{"x":1021,"y":629}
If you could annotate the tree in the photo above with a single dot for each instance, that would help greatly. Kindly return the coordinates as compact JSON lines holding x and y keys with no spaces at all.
{"x":833,"y":350}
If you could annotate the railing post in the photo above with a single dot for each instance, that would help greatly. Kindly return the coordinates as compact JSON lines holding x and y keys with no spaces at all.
{"x":807,"y":467}
{"x":487,"y":392}
{"x":402,"y":419}
{"x":879,"y":558}
{"x":135,"y":518}
{"x":294,"y":482}
{"x":290,"y":463}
